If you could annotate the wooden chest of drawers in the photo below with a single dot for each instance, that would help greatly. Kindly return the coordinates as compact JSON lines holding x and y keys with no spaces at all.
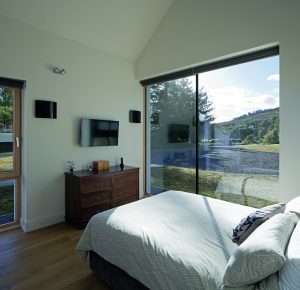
{"x":89,"y":193}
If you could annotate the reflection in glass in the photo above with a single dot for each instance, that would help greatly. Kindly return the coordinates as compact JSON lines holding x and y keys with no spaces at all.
{"x":173,"y":139}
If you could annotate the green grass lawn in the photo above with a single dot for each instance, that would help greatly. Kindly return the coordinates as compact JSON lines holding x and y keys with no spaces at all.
{"x":6,"y":199}
{"x":183,"y":179}
{"x":6,"y":192}
{"x":6,"y":163}
{"x":273,"y":148}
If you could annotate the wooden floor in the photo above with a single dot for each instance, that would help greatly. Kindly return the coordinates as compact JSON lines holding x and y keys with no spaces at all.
{"x":44,"y":259}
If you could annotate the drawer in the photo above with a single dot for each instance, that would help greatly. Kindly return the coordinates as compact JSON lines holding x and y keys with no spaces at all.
{"x":89,"y":200}
{"x":124,"y":201}
{"x":125,"y":179}
{"x":123,"y":190}
{"x":88,"y":213}
{"x":94,"y":185}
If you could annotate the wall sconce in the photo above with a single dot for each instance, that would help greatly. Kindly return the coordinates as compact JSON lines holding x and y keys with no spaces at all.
{"x":58,"y":70}
{"x":134,"y":116}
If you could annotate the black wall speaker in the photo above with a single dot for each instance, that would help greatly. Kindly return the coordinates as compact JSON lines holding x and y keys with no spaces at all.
{"x":134,"y":116}
{"x":45,"y":109}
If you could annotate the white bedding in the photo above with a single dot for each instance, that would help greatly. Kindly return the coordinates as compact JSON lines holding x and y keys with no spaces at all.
{"x":174,"y":240}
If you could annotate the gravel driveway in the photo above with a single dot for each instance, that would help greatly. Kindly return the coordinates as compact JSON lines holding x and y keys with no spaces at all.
{"x":232,"y":160}
{"x":240,"y":161}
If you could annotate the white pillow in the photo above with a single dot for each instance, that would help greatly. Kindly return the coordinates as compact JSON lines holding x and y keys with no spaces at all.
{"x":269,"y":283}
{"x":289,"y":274}
{"x":294,"y":206}
{"x":262,"y":254}
{"x":252,"y":221}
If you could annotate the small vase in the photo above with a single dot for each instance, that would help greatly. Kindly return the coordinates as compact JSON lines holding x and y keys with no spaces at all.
{"x":122,"y":164}
{"x":71,"y":170}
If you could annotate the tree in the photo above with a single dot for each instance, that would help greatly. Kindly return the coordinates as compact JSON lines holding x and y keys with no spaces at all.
{"x":6,"y":108}
{"x":6,"y":97}
{"x":272,"y":137}
{"x":249,"y":139}
{"x":6,"y":115}
{"x":205,"y":107}
{"x":174,"y":102}
{"x":177,"y":100}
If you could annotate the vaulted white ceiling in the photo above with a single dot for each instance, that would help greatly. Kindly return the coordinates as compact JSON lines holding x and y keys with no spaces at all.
{"x":121,"y":27}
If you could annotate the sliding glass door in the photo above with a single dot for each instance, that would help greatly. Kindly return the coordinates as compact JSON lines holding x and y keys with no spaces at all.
{"x":216,"y":133}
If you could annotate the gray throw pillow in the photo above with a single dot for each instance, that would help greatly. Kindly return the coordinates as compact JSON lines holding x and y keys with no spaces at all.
{"x":262,"y":254}
{"x":247,"y":225}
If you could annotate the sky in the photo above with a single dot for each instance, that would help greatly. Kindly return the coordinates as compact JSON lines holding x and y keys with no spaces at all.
{"x":243,"y":88}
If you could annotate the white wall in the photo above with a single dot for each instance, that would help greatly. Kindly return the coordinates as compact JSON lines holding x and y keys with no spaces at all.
{"x":96,"y":84}
{"x":195,"y":32}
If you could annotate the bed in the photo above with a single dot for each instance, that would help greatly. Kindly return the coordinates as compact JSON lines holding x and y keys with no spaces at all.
{"x":174,"y":240}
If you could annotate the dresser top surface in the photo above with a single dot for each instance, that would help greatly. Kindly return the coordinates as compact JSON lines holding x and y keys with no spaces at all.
{"x":110,"y":171}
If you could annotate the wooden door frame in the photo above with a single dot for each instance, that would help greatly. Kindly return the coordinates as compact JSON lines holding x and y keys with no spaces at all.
{"x":16,"y":174}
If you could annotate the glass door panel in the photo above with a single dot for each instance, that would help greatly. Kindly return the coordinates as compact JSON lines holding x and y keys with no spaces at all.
{"x":7,"y":201}
{"x":171,"y":131}
{"x":6,"y":130}
{"x":9,"y":154}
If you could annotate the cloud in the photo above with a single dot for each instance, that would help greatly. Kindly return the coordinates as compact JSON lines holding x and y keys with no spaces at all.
{"x":275,"y":91}
{"x":231,"y":102}
{"x":274,"y":77}
{"x":270,"y":101}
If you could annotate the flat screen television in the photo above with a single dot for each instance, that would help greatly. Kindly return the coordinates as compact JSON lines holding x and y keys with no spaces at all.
{"x":95,"y":132}
{"x":178,"y":133}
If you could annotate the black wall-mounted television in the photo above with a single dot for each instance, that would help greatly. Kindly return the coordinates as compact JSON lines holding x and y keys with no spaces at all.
{"x":178,"y":133}
{"x":95,"y":132}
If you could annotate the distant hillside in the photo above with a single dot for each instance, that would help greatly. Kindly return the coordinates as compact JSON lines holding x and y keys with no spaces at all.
{"x":257,"y":127}
{"x":254,"y":117}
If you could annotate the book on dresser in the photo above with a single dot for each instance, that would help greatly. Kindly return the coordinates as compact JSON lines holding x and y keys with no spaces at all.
{"x":89,"y":193}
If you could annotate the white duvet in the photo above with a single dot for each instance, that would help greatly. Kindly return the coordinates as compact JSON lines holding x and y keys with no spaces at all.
{"x":174,"y":240}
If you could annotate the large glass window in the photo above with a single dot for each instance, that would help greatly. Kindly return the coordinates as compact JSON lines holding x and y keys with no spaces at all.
{"x":220,"y":141}
{"x":239,"y":145}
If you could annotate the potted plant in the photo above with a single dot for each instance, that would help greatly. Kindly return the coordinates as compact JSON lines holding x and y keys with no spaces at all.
{"x":71,"y":165}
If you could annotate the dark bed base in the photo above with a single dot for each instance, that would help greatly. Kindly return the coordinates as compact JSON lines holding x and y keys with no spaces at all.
{"x":113,"y":276}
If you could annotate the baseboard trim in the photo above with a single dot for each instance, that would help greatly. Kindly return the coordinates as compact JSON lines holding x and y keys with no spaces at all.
{"x":9,"y":228}
{"x":42,"y":222}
